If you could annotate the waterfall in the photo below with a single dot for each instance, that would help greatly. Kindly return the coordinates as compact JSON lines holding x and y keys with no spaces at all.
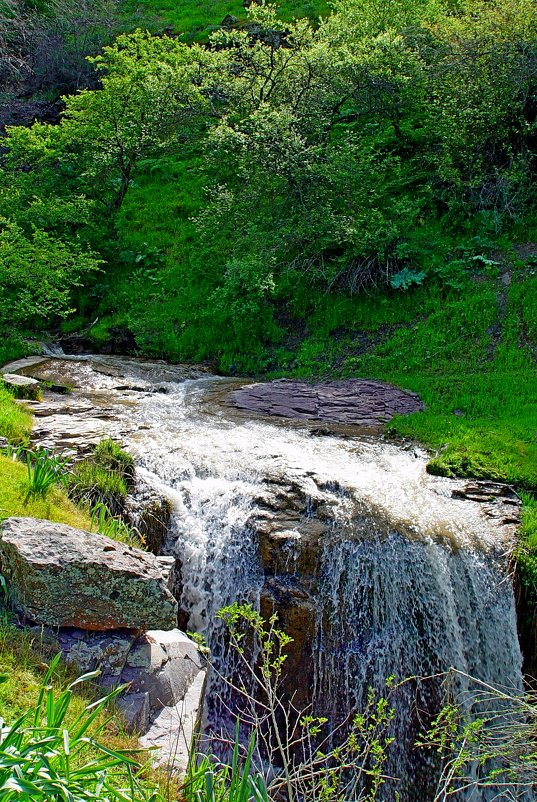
{"x":398,"y":576}
{"x":395,"y":607}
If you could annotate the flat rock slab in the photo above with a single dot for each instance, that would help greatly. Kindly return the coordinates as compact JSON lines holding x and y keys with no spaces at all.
{"x":21,"y":386}
{"x":66,"y":577}
{"x":357,"y":402}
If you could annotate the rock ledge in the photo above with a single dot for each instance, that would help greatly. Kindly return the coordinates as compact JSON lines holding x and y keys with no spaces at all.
{"x":358,"y":402}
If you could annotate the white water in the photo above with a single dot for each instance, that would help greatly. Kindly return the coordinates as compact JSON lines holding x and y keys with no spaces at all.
{"x":411,"y":597}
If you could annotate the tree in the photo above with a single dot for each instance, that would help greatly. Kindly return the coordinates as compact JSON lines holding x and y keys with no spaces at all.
{"x":37,"y":274}
{"x":150,"y":101}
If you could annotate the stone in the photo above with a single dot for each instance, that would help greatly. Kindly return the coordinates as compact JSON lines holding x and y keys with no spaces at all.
{"x":162,"y":664}
{"x":135,"y":710}
{"x":356,"y":402}
{"x":149,"y":513}
{"x":228,"y":21}
{"x":147,"y":655}
{"x":173,"y":728}
{"x":90,"y":651}
{"x":22,"y":386}
{"x":65,"y":577}
{"x":176,"y":644}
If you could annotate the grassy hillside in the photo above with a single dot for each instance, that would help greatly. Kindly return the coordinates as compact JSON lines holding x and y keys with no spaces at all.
{"x":195,"y":21}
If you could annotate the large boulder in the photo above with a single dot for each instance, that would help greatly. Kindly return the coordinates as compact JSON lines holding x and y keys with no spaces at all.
{"x":65,"y":577}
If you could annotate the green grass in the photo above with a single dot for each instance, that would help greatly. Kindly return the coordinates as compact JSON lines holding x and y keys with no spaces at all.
{"x":108,"y":454}
{"x":526,"y":553}
{"x":195,"y":21}
{"x":12,"y":348}
{"x":474,"y":368}
{"x":16,"y":501}
{"x":92,"y":484}
{"x":15,"y":421}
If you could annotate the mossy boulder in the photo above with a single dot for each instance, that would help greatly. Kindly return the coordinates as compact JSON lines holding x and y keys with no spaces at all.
{"x":61,"y":576}
{"x":21,"y":386}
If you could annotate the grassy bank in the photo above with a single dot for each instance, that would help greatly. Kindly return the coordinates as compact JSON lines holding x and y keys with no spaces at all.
{"x":193,"y":22}
{"x":24,"y":661}
{"x":25,"y":655}
{"x":16,"y":501}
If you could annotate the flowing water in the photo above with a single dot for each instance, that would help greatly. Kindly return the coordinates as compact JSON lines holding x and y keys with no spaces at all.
{"x":407,"y":581}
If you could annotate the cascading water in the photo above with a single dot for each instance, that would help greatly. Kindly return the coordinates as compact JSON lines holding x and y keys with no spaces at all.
{"x":391,"y":606}
{"x":397,"y":576}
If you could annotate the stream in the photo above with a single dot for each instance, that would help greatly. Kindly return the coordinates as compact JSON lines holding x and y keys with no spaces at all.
{"x":375,"y":567}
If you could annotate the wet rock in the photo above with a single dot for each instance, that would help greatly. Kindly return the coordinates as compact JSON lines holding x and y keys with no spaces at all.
{"x":297,"y":616}
{"x":350,"y":401}
{"x":500,"y":502}
{"x":66,"y":577}
{"x":149,"y":513}
{"x":228,"y":21}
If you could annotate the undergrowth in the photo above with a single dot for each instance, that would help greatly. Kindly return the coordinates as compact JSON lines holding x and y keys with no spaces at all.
{"x":15,"y":421}
{"x":15,"y":500}
{"x":38,"y":686}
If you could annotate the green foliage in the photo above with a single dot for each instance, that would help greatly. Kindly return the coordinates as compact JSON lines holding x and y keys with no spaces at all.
{"x":209,"y":782}
{"x":108,"y":454}
{"x":484,"y":738}
{"x":91,"y":484}
{"x":315,"y":764}
{"x":12,"y":348}
{"x":37,"y":274}
{"x":15,"y":422}
{"x":113,"y":527}
{"x":46,"y":756}
{"x":45,"y":469}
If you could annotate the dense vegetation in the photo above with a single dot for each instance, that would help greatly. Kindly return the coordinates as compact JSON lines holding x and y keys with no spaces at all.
{"x":350,"y":197}
{"x":346,"y":197}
